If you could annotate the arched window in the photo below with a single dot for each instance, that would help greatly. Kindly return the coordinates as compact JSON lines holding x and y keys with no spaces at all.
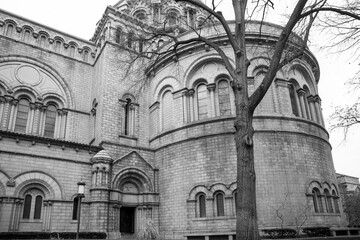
{"x":202,"y":205}
{"x":27,"y":34}
{"x":57,"y":46}
{"x":140,"y":15}
{"x":219,"y":201}
{"x":202,"y":101}
{"x":9,"y":30}
{"x":235,"y":199}
{"x":318,"y":206}
{"x":167,"y":110}
{"x":201,"y":22}
{"x":294,"y":100}
{"x":22,"y":115}
{"x":224,"y":98}
{"x":307,"y":105}
{"x":118,"y":35}
{"x":336,"y":201}
{"x":32,"y":209}
{"x":38,"y":206}
{"x":127,"y":117}
{"x":72,"y":51}
{"x":50,"y":119}
{"x":75,"y":208}
{"x":130,"y":39}
{"x":328,"y":201}
{"x":86,"y":56}
{"x":172,"y":18}
{"x":27,"y":206}
{"x":191,"y":17}
{"x":42,"y":41}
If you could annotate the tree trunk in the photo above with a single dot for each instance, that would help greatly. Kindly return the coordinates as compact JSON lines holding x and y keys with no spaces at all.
{"x":246,"y":218}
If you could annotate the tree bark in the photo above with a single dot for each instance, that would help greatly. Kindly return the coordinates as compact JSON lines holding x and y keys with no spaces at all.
{"x":246,"y":222}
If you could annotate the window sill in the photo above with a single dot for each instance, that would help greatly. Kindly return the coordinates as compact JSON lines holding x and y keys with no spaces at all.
{"x":213,"y":218}
{"x":128,"y":137}
{"x":328,"y":214}
{"x":31,"y":221}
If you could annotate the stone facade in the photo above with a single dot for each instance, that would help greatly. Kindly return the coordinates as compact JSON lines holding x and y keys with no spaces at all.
{"x":167,"y":154}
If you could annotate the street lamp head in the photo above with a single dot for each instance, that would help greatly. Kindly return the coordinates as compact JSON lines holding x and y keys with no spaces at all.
{"x":81,"y":187}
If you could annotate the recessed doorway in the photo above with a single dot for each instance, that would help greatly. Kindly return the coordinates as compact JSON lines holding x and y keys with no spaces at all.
{"x":127,"y":220}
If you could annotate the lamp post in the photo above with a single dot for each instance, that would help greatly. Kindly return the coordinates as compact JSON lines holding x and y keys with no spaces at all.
{"x":81,"y":194}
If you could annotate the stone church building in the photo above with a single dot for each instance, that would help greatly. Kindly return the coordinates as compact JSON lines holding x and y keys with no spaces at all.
{"x":165,"y":154}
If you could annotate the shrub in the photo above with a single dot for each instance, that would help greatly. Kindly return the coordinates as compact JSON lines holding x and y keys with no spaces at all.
{"x":317,"y":231}
{"x":280,"y":232}
{"x":52,"y":235}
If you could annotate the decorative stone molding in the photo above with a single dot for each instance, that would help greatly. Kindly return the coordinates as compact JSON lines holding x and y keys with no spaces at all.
{"x":11,"y":182}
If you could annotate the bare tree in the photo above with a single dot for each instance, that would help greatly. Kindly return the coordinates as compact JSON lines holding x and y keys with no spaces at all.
{"x":301,"y":19}
{"x":344,"y":34}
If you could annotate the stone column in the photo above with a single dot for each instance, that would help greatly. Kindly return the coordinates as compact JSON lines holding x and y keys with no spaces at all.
{"x":317,"y":103}
{"x":2,"y":106}
{"x":313,"y":114}
{"x":185,"y":106}
{"x":211,"y":89}
{"x":36,"y":124}
{"x":302,"y":100}
{"x":6,"y":112}
{"x":31,"y":116}
{"x":41,"y":124}
{"x":191,"y":114}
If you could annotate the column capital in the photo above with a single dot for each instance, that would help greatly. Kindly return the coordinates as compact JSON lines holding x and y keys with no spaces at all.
{"x":281,"y":83}
{"x":14,"y":102}
{"x":301,"y":92}
{"x":211,"y":86}
{"x":191,"y":92}
{"x":311,"y":98}
{"x":317,"y":99}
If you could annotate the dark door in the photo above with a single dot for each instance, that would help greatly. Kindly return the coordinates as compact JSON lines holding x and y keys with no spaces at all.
{"x":127,"y":220}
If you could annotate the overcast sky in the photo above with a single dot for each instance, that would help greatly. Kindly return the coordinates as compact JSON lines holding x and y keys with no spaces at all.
{"x":79,"y":18}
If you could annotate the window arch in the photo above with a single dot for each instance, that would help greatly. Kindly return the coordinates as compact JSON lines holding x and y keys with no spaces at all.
{"x":58,"y":45}
{"x":50,"y":121}
{"x":130,"y":40}
{"x":306,"y":102}
{"x":172,"y":17}
{"x":328,"y":201}
{"x":219,"y":203}
{"x":224,"y":97}
{"x":27,"y":206}
{"x":235,"y":200}
{"x":294,"y":100}
{"x":33,"y":203}
{"x":38,"y":207}
{"x":336,"y":202}
{"x":9,"y":30}
{"x":318,"y":206}
{"x":75,"y":208}
{"x":42,"y":40}
{"x":202,"y":101}
{"x":118,"y":34}
{"x":27,"y":34}
{"x":127,"y":117}
{"x":72,"y":51}
{"x":167,"y":110}
{"x":140,"y":15}
{"x":201,"y":205}
{"x":22,"y":115}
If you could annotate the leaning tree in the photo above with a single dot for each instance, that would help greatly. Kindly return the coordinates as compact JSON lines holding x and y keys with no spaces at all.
{"x":304,"y":15}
